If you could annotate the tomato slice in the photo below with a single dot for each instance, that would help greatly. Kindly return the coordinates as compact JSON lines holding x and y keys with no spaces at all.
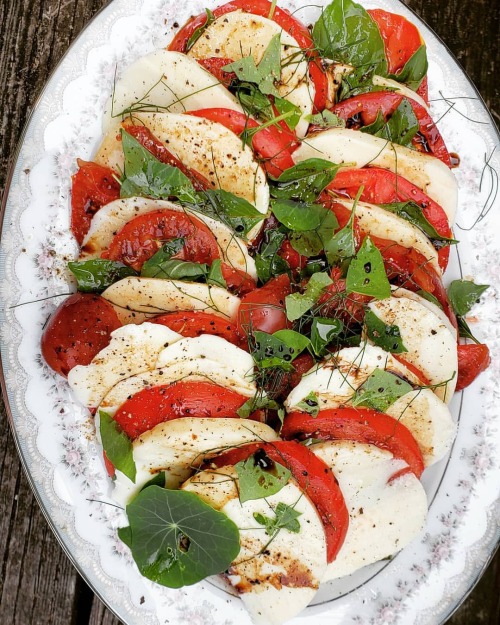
{"x":424,"y":380}
{"x":362,"y":110}
{"x":264,"y":308}
{"x":238,"y":281}
{"x":79,"y":328}
{"x":92,"y":187}
{"x":295,"y":261}
{"x":336,"y":303}
{"x":357,"y":424}
{"x":193,"y":324}
{"x":158,"y":404}
{"x":215,"y":65}
{"x":271,"y":144}
{"x":312,"y":475}
{"x":472,"y":360}
{"x":143,"y":236}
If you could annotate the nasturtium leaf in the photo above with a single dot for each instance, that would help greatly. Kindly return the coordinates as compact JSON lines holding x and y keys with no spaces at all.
{"x":236,"y":212}
{"x":286,"y":518}
{"x":366,"y":274}
{"x":144,"y":175}
{"x":259,"y":476}
{"x":414,"y":70}
{"x":95,"y":275}
{"x":268,"y":263}
{"x":176,"y":539}
{"x":215,"y":276}
{"x":310,"y":404}
{"x":383,"y":335}
{"x":463,"y":294}
{"x":117,"y":445}
{"x":259,"y":402}
{"x":380,"y":390}
{"x":279,"y":349}
{"x":298,"y":304}
{"x":200,"y":30}
{"x":326,"y":119}
{"x":342,"y":245}
{"x":157,"y":480}
{"x":323,"y":332}
{"x":412,"y":213}
{"x":305,"y":181}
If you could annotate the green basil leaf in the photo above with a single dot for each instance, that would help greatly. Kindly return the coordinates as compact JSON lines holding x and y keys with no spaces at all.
{"x":177,"y":539}
{"x":305,"y":181}
{"x":298,"y":304}
{"x":255,"y":482}
{"x":464,"y":330}
{"x":95,"y":275}
{"x":400,"y":128}
{"x":343,"y":244}
{"x":380,"y":390}
{"x":430,"y":298}
{"x":388,"y":337}
{"x":252,"y":100}
{"x":268,"y":263}
{"x":326,"y":119}
{"x":463,"y":294}
{"x":286,"y":518}
{"x":310,"y":404}
{"x":294,"y":112}
{"x":200,"y":30}
{"x":259,"y":402}
{"x":323,"y":332}
{"x":279,"y":349}
{"x":346,"y":33}
{"x":236,"y":212}
{"x":413,"y":214}
{"x":146,"y":176}
{"x":376,"y":126}
{"x":414,"y":70}
{"x":366,"y":274}
{"x":161,"y":265}
{"x":117,"y":445}
{"x":215,"y":274}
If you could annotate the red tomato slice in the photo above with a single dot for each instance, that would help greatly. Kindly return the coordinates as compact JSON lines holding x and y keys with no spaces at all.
{"x":336,"y":303}
{"x":362,"y":110}
{"x":158,"y":404}
{"x":264,"y":309}
{"x":143,"y":236}
{"x":312,"y":475}
{"x":92,"y":187}
{"x":146,"y":138}
{"x":295,"y":261}
{"x":472,"y":360}
{"x":215,"y":65}
{"x":270,"y":144}
{"x":358,"y":424}
{"x":424,"y":381}
{"x":237,"y":281}
{"x":79,"y":328}
{"x":192,"y":324}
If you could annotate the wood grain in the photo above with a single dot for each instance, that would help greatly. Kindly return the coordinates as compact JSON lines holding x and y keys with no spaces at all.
{"x":38,"y":585}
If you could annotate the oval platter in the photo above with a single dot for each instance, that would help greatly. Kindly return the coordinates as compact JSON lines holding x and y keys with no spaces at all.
{"x":55,"y":436}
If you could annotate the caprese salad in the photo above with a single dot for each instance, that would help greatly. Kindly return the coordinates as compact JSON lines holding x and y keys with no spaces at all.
{"x":260,"y":327}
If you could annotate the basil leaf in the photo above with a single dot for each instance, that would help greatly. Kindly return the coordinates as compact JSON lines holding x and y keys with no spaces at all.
{"x":294,"y":112}
{"x":95,"y":275}
{"x":326,"y":119}
{"x":256,"y":482}
{"x":161,"y":265}
{"x":177,"y":539}
{"x":259,"y":402}
{"x":346,"y":33}
{"x":200,"y":30}
{"x":117,"y":445}
{"x":266,"y":73}
{"x":236,"y":212}
{"x":464,"y":330}
{"x":310,"y":404}
{"x":252,"y":100}
{"x":215,"y":274}
{"x":463,"y":294}
{"x":323,"y":332}
{"x":343,"y":244}
{"x":414,"y":70}
{"x":388,"y":337}
{"x":285,"y":519}
{"x":430,"y":298}
{"x":304,"y":181}
{"x":268,"y":263}
{"x":400,"y":128}
{"x":413,"y":214}
{"x":380,"y":390}
{"x":298,"y":304}
{"x":146,"y":176}
{"x":279,"y":349}
{"x":366,"y":274}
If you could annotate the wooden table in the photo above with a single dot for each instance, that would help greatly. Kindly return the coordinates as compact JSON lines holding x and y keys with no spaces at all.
{"x":38,"y":585}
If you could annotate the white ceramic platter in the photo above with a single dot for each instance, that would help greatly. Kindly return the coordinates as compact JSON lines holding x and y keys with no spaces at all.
{"x":424,"y":583}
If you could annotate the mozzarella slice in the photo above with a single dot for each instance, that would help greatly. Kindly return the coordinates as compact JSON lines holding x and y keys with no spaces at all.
{"x":384,"y":516}
{"x":132,"y":349}
{"x":401,"y":88}
{"x":276,"y":579}
{"x":109,"y":220}
{"x":334,"y":381}
{"x":177,"y":447}
{"x":168,"y":81}
{"x":378,"y":222}
{"x":238,"y":34}
{"x":436,"y":310}
{"x":432,"y":348}
{"x":138,"y":299}
{"x":358,"y":149}
{"x":205,"y":146}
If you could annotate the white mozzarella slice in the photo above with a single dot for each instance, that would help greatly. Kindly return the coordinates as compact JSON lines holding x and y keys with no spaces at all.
{"x":239,"y":34}
{"x":436,"y":310}
{"x":137,"y":299}
{"x":378,"y":222}
{"x":109,"y":220}
{"x":334,"y":381}
{"x":384,"y":516}
{"x":203,"y":145}
{"x":169,"y":81}
{"x":132,"y":349}
{"x":358,"y":149}
{"x":432,"y":348}
{"x":428,"y":419}
{"x":401,"y":88}
{"x":177,"y":447}
{"x":275,"y":579}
